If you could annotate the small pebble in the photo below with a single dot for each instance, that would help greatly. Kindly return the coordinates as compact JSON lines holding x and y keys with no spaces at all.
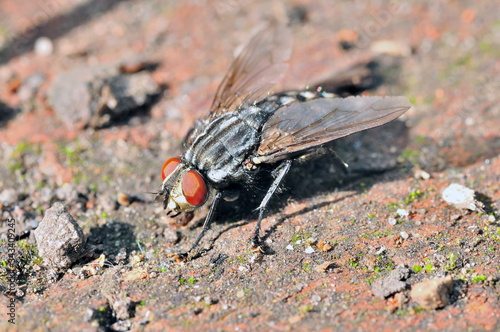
{"x":323,"y":267}
{"x":315,"y":299}
{"x":392,"y":221}
{"x":381,"y":250}
{"x":289,"y":247}
{"x":391,"y":47}
{"x":323,"y":246}
{"x":59,"y":238}
{"x":171,"y":235}
{"x":309,"y":250}
{"x":432,"y":294}
{"x":30,"y":86}
{"x":44,"y":46}
{"x":402,"y":213}
{"x":385,"y":287}
{"x":419,"y":174}
{"x":459,"y":196}
{"x":210,"y":300}
{"x":240,"y":294}
{"x":404,"y":235}
{"x":8,"y":196}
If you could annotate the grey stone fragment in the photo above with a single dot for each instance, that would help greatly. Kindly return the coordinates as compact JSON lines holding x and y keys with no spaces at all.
{"x":74,"y":95}
{"x":8,"y":196}
{"x":171,"y":236}
{"x":383,"y":288}
{"x":59,"y":238}
{"x":96,"y":96}
{"x":30,"y":86}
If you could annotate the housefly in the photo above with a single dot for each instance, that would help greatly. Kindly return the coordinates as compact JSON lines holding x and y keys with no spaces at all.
{"x":248,"y":129}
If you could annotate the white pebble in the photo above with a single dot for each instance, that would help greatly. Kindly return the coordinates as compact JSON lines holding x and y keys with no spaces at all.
{"x":289,"y":247}
{"x":420,"y":174}
{"x":44,"y":46}
{"x":309,"y":250}
{"x":404,"y":235}
{"x":392,"y":221}
{"x":315,"y":298}
{"x":381,"y":250}
{"x":459,"y":196}
{"x":402,"y":213}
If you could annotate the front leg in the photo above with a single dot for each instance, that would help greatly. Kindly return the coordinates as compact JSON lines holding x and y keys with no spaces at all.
{"x":208,"y":220}
{"x":282,"y":170}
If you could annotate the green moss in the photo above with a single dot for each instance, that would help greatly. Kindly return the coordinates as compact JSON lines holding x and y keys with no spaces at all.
{"x":451,"y":264}
{"x":428,"y":266}
{"x":412,"y":99}
{"x":413,"y":196}
{"x":106,"y":179}
{"x":15,"y":165}
{"x":478,"y":278}
{"x":420,"y":139}
{"x":306,"y":308}
{"x":410,"y":156}
{"x":353,"y":262}
{"x":21,"y":149}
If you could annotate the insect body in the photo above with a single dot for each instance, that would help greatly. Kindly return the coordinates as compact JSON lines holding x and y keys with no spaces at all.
{"x":247,"y":129}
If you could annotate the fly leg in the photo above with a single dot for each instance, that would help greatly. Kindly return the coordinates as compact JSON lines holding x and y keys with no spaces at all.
{"x":208,"y":220}
{"x":282,"y":170}
{"x":339,"y":163}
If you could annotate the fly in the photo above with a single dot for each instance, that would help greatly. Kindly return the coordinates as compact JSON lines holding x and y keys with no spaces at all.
{"x":248,"y":129}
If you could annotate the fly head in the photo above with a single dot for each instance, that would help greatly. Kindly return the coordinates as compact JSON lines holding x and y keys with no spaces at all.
{"x":183,"y":188}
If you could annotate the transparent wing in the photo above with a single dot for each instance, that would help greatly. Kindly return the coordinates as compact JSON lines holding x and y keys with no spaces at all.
{"x":302,"y":126}
{"x":258,"y":67}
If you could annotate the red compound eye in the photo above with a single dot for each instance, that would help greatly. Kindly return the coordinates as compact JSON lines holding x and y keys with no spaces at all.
{"x":194,"y":188}
{"x":169,"y":166}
